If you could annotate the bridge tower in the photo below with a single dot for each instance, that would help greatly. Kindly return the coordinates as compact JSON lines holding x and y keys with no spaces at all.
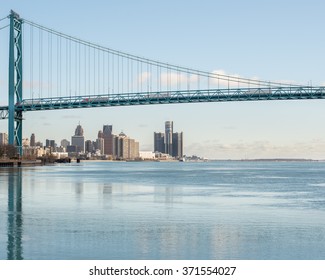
{"x":15,"y":83}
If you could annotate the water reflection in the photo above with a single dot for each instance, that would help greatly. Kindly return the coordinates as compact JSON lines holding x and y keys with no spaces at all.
{"x":107,"y":190}
{"x":15,"y":219}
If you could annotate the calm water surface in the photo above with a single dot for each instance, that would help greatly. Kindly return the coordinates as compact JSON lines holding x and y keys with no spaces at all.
{"x":123,"y":210}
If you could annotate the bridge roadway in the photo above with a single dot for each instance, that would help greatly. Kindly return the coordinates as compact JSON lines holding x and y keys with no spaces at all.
{"x":168,"y":97}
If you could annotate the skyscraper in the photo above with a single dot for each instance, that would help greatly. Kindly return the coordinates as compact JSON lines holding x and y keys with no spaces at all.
{"x":89,"y":148}
{"x":100,"y":134}
{"x":159,"y":142}
{"x":50,"y":144}
{"x":108,"y":140}
{"x":169,"y":137}
{"x":79,"y":131}
{"x":78,"y":139}
{"x":169,"y":143}
{"x":100,"y":145}
{"x":177,"y":144}
{"x":32,"y":140}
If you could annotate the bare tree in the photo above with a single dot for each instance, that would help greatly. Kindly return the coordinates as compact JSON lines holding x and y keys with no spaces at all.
{"x":8,"y":151}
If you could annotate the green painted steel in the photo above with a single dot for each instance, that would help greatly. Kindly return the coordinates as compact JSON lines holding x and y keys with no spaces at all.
{"x":4,"y":113}
{"x":172,"y":97}
{"x":11,"y":82}
{"x":15,"y":88}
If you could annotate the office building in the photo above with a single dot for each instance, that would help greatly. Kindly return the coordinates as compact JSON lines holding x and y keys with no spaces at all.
{"x":123,"y":146}
{"x":79,"y":142}
{"x":50,"y":144}
{"x":109,"y":142}
{"x":169,"y":137}
{"x":177,"y":145}
{"x":170,"y":142}
{"x":32,"y":140}
{"x":100,"y":145}
{"x":159,"y":142}
{"x":79,"y":131}
{"x":89,"y":147}
{"x":78,"y":139}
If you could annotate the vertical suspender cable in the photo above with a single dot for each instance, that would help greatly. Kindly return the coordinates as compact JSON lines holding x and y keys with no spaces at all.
{"x":113,"y":71}
{"x":98,"y":89}
{"x":108,"y":71}
{"x":94,"y":71}
{"x":128,"y":75}
{"x":104,"y":76}
{"x":32,"y":61}
{"x":48,"y":65}
{"x":118,"y":74}
{"x":85,"y":70}
{"x":88,"y":70}
{"x":40,"y":62}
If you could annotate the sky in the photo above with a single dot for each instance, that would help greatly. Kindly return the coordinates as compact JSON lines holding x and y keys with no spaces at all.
{"x":269,"y":40}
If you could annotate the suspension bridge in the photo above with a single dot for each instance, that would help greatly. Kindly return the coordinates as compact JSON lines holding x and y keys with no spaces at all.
{"x":65,"y":72}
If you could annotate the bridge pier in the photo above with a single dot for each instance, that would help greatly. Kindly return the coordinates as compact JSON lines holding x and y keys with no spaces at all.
{"x":15,"y":83}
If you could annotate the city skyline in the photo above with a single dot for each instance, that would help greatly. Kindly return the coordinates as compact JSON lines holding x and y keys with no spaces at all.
{"x":169,"y":142}
{"x":269,"y":41}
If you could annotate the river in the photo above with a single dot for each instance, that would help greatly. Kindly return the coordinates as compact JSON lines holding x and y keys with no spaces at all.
{"x":156,"y":210}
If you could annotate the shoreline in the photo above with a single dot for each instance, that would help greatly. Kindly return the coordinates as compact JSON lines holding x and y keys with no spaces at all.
{"x":22,"y":163}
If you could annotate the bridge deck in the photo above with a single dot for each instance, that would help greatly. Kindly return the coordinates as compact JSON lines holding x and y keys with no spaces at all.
{"x":168,"y":97}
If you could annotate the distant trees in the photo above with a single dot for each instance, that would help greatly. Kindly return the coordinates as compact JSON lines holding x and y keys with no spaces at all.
{"x":8,"y":151}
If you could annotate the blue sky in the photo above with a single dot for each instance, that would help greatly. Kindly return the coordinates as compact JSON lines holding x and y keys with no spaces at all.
{"x":270,"y":40}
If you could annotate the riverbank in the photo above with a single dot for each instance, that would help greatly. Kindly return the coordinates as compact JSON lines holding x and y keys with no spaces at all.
{"x":18,"y":163}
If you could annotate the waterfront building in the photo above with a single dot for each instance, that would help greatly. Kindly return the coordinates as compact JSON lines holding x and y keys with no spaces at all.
{"x":32,"y":140}
{"x":170,"y":142}
{"x":147,"y":155}
{"x":132,"y":149}
{"x":33,"y":152}
{"x":116,"y":146}
{"x":60,"y":155}
{"x":159,"y":142}
{"x":3,"y":138}
{"x":177,"y":145}
{"x":123,"y":142}
{"x":135,"y":152}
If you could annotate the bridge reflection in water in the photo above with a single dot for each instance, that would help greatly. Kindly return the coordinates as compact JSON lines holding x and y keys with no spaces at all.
{"x":15,"y":219}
